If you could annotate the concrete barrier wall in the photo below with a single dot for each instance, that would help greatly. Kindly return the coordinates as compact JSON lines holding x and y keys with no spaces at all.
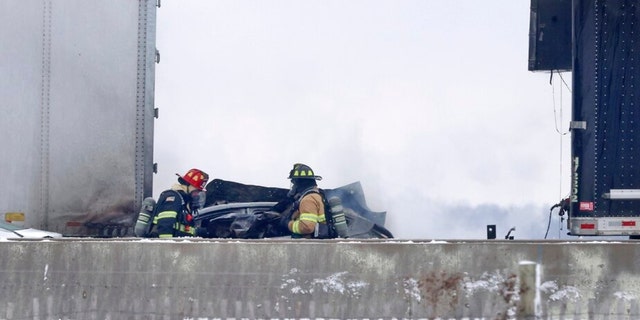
{"x":284,"y":279}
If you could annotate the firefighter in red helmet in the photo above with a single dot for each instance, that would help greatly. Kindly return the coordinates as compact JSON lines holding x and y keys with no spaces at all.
{"x":176,"y":206}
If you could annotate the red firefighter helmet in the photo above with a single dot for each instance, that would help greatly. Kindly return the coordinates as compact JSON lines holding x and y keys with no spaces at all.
{"x":196,"y":178}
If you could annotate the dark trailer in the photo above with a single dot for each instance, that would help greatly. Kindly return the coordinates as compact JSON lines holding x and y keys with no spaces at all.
{"x":599,"y":41}
{"x":605,"y":132}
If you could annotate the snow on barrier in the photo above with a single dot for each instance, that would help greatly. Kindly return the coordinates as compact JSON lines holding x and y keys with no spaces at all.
{"x":330,"y":279}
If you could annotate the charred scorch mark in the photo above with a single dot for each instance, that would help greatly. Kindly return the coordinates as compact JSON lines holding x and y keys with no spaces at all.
{"x":119,"y":213}
{"x":110,"y":220}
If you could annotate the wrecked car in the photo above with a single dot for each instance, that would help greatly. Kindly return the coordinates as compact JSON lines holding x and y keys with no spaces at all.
{"x":235,"y":210}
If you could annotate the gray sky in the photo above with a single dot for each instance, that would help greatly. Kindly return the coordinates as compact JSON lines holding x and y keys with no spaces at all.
{"x":429,"y":104}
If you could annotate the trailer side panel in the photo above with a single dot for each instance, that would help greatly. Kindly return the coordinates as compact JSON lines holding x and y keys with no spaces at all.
{"x":605,"y":135}
{"x":79,"y":137}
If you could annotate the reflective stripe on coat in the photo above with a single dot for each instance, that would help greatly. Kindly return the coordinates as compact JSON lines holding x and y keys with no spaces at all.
{"x":309,"y":213}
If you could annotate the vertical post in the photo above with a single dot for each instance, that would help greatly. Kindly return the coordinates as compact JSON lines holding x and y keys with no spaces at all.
{"x":529,"y":294}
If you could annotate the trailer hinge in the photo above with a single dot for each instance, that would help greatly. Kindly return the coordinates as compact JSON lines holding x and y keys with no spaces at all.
{"x":158,"y":4}
{"x":581,"y":125}
{"x":157,"y":55}
{"x":156,"y":113}
{"x":155,"y":167}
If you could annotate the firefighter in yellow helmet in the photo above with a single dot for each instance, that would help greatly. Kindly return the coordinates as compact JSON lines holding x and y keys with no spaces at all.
{"x":176,"y":206}
{"x":308,"y":208}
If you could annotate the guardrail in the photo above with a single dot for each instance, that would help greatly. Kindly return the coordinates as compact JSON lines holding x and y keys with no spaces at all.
{"x":330,"y":279}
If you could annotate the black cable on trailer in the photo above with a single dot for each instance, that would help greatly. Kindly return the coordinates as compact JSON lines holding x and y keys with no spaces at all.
{"x":548,"y":224}
{"x":564,"y":207}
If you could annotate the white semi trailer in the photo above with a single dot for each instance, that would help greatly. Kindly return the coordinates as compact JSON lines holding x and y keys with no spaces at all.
{"x":77,"y":103}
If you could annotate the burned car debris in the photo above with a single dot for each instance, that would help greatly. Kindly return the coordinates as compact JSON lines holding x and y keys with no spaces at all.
{"x":236,"y":210}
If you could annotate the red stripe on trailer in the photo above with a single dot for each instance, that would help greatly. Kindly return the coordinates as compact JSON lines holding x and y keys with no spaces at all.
{"x":587,"y":226}
{"x":631,"y":223}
